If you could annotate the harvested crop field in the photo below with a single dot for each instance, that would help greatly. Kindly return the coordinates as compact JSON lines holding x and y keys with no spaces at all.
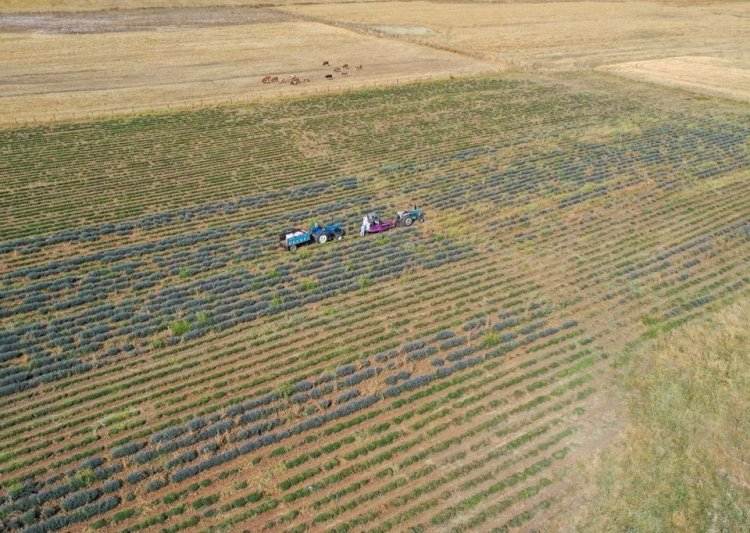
{"x":557,"y":35}
{"x":165,"y":365}
{"x":54,"y":76}
{"x":708,"y":75}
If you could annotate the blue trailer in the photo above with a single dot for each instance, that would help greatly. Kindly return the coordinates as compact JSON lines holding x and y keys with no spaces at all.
{"x":291,"y":239}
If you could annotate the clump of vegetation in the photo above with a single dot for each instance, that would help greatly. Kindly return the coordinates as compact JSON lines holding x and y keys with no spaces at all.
{"x":284,"y":389}
{"x":490,"y":340}
{"x":179,"y":327}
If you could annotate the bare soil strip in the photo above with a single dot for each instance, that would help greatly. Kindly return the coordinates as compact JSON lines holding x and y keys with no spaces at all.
{"x":25,"y":6}
{"x":137,"y":20}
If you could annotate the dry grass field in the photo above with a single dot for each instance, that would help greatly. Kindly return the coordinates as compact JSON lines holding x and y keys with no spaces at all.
{"x":709,"y":75}
{"x":53,"y":76}
{"x":66,"y":65}
{"x":681,"y":462}
{"x":557,"y":35}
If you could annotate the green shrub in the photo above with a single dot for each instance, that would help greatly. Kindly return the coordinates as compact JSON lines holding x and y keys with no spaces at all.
{"x":179,"y":327}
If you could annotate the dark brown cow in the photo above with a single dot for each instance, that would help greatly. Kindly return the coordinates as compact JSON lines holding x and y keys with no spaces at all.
{"x":329,"y":76}
{"x":325,"y":63}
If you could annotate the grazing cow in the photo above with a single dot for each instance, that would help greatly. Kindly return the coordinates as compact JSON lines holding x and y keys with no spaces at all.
{"x":345,"y":65}
{"x":344,"y":73}
{"x":325,"y":63}
{"x":329,"y":76}
{"x":359,"y":67}
{"x":337,"y":69}
{"x":295,"y":80}
{"x":266,"y":79}
{"x":306,"y":80}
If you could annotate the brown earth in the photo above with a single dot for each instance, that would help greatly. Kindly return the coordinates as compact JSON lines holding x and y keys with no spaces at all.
{"x":137,"y":20}
{"x":17,"y":6}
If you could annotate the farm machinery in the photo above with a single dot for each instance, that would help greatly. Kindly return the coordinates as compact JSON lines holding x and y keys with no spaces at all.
{"x":291,"y":239}
{"x":372,"y":223}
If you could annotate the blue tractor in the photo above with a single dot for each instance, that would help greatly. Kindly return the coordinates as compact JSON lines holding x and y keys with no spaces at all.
{"x":407,"y":218}
{"x":291,"y":239}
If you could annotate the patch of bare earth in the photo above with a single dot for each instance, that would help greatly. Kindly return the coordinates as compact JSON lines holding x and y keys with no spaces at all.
{"x":709,"y":75}
{"x":137,"y":20}
{"x":20,"y":6}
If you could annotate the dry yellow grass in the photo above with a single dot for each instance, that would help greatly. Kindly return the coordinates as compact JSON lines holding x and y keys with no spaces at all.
{"x":562,"y":35}
{"x":707,"y":75}
{"x":56,"y":76}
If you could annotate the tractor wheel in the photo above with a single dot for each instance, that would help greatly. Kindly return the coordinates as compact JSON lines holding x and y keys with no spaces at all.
{"x":292,"y":247}
{"x":421,"y":219}
{"x":408,"y":221}
{"x":339,"y":236}
{"x":322,"y":238}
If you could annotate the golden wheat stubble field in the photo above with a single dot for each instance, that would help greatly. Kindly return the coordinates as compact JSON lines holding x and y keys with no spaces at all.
{"x":54,"y":76}
{"x":709,"y":75}
{"x":575,"y":35}
{"x":51,"y":73}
